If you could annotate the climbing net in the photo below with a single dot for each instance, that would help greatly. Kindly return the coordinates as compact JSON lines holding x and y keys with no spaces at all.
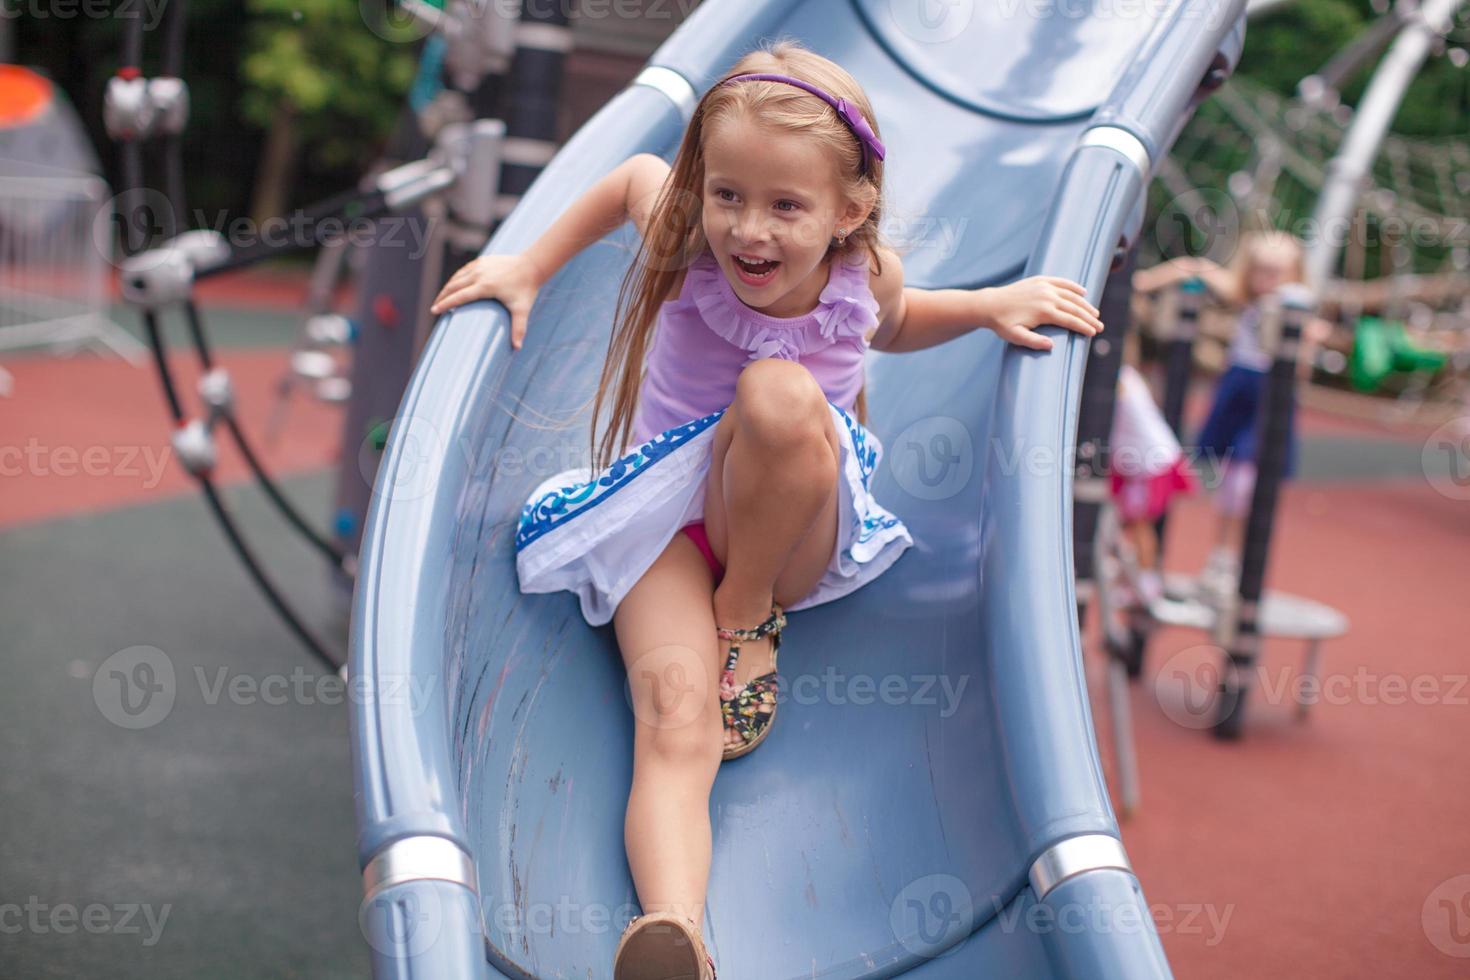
{"x":1252,"y":159}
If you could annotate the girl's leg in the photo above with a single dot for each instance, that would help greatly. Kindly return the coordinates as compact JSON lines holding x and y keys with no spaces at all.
{"x":771,"y":503}
{"x":666,"y":631}
{"x":1145,"y":542}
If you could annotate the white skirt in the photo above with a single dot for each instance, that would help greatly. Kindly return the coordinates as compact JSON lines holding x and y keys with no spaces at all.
{"x":596,"y":536}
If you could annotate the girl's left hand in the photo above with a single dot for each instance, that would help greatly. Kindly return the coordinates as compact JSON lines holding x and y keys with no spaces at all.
{"x":1014,"y":311}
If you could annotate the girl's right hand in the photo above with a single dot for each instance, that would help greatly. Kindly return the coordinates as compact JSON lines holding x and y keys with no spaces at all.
{"x":512,"y":279}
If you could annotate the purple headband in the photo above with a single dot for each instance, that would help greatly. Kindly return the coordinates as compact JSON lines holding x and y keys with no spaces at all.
{"x":848,"y":112}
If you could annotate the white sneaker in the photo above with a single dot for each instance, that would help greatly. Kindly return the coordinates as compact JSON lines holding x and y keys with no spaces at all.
{"x":1150,"y":586}
{"x":1220,"y":577}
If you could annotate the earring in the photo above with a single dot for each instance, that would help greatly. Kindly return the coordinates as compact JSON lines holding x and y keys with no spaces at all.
{"x":841,"y":236}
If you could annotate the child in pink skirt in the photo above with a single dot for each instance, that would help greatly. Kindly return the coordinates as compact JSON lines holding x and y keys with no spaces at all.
{"x":1148,"y":471}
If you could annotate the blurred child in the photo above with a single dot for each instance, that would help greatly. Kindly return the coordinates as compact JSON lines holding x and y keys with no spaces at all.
{"x":1148,"y":471}
{"x":1263,"y":263}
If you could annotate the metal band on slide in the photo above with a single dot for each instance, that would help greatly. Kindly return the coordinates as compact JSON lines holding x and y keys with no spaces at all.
{"x":672,"y":84}
{"x":1073,"y":856}
{"x":1119,"y":139}
{"x":418,"y":859}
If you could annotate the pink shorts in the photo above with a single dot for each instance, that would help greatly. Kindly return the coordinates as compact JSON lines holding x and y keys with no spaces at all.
{"x":701,"y":541}
{"x":1146,"y":498}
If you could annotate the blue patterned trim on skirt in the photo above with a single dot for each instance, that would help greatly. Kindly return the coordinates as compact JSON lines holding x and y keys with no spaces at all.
{"x":595,"y":534}
{"x":555,"y":507}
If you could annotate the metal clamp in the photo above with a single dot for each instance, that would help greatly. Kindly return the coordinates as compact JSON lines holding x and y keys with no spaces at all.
{"x":418,"y":859}
{"x":1123,"y":142}
{"x":1073,"y":856}
{"x":672,"y":84}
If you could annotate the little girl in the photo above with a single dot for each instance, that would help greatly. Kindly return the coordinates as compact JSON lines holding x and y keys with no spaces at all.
{"x":1148,"y":471}
{"x":760,"y":283}
{"x":1263,"y":263}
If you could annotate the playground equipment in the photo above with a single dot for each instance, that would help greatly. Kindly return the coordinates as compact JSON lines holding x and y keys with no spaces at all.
{"x":1380,"y":349}
{"x":451,"y":184}
{"x":55,"y":219}
{"x":1239,"y":622}
{"x":885,"y":839}
{"x":1383,"y":216}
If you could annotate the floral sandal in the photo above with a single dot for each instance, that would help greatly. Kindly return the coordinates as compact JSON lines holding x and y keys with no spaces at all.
{"x":662,"y":946}
{"x":749,"y":711}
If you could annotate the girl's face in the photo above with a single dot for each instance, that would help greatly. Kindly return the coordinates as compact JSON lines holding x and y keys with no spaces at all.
{"x":1270,"y":269}
{"x":771,"y":205}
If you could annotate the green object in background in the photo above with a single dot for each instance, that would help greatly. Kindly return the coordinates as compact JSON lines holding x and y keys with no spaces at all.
{"x":377,"y":435}
{"x":1380,"y":348}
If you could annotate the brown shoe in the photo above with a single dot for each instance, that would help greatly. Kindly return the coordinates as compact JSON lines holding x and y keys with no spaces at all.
{"x":662,"y":946}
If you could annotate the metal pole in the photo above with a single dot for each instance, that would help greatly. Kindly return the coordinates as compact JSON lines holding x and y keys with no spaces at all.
{"x":1095,"y":422}
{"x":1347,"y":173}
{"x":1241,"y":626}
{"x":1178,"y":366}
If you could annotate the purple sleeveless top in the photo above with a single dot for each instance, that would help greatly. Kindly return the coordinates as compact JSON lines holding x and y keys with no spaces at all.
{"x":706,"y":336}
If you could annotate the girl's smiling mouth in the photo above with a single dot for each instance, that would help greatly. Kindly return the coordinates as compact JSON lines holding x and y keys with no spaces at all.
{"x":754,"y":271}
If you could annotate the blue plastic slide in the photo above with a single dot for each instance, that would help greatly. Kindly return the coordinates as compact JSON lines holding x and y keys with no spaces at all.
{"x":953,"y":823}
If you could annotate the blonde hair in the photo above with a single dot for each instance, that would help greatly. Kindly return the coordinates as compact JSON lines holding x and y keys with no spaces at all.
{"x":675,"y":234}
{"x":1256,"y":244}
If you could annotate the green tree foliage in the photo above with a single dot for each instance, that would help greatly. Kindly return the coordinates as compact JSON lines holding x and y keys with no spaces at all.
{"x":346,"y":82}
{"x":1299,"y":38}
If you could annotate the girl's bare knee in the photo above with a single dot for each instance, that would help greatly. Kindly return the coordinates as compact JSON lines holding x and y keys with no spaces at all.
{"x":779,"y":403}
{"x":694,"y":746}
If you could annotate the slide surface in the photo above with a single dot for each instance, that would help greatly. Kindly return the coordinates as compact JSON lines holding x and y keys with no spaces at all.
{"x":930,"y":801}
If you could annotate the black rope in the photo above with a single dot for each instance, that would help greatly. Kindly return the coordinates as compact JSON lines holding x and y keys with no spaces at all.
{"x":132,"y":241}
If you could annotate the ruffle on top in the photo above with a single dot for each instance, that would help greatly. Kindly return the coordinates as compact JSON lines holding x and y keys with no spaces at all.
{"x":846,"y":310}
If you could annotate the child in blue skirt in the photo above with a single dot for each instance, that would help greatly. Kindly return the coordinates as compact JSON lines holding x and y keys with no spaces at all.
{"x":1263,"y":263}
